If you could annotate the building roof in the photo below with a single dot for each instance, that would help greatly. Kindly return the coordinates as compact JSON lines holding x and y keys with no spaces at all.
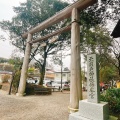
{"x":62,"y":71}
{"x":116,"y":31}
{"x":5,"y":72}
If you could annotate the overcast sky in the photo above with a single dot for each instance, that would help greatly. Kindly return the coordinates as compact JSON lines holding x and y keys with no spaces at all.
{"x":6,"y":13}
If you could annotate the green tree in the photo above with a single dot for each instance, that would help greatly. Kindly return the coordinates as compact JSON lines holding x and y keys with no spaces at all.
{"x":115,"y":52}
{"x":108,"y":74}
{"x":95,"y":40}
{"x":31,"y":70}
{"x":105,"y":10}
{"x":27,"y":16}
{"x":17,"y":62}
{"x":3,"y":60}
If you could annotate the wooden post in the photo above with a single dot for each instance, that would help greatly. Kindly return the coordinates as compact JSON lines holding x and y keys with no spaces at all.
{"x":76,"y":84}
{"x":11,"y":82}
{"x":23,"y":77}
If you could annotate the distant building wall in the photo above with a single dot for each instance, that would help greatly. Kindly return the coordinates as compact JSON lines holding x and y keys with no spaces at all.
{"x":65,"y":76}
{"x":49,"y":75}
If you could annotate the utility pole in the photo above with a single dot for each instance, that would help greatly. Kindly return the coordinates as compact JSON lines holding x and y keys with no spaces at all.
{"x":61,"y":66}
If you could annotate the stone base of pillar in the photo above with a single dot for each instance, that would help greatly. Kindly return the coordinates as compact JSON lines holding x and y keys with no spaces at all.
{"x":20,"y":95}
{"x":76,"y":116}
{"x":91,"y":111}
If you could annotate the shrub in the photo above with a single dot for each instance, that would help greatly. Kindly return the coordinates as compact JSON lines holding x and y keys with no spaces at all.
{"x":5,"y":78}
{"x":16,"y":79}
{"x":29,"y":89}
{"x":112,"y":96}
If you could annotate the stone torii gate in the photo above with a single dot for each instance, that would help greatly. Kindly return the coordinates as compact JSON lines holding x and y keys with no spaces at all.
{"x":73,"y":12}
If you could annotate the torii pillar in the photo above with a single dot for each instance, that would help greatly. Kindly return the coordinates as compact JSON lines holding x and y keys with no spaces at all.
{"x":23,"y":77}
{"x":76,"y":84}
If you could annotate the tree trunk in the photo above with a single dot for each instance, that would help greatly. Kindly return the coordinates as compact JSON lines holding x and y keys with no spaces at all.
{"x":43,"y":67}
{"x":11,"y":84}
{"x":41,"y":78}
{"x":119,"y":66}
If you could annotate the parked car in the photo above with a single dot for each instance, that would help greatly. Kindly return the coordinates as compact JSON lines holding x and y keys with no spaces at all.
{"x":33,"y":81}
{"x":47,"y":83}
{"x":103,"y":87}
{"x":57,"y":84}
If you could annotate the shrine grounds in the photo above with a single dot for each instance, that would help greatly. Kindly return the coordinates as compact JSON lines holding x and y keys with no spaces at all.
{"x":35,"y":107}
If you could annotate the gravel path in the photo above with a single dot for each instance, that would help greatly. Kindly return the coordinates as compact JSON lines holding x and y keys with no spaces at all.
{"x":37,"y":107}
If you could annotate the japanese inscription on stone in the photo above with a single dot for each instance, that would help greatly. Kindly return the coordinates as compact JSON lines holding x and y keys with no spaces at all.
{"x":92,"y":79}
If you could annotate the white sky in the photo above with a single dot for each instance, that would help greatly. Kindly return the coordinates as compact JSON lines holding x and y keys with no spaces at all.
{"x":6,"y":13}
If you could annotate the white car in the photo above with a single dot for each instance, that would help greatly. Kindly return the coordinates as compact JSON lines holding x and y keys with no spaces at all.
{"x":57,"y":84}
{"x":33,"y":81}
{"x":47,"y":83}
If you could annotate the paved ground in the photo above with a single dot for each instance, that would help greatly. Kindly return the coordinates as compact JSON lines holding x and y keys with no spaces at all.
{"x":38,"y":107}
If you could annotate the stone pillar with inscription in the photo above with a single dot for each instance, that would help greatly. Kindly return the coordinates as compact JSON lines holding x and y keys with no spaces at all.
{"x":92,"y":108}
{"x":93,"y":89}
